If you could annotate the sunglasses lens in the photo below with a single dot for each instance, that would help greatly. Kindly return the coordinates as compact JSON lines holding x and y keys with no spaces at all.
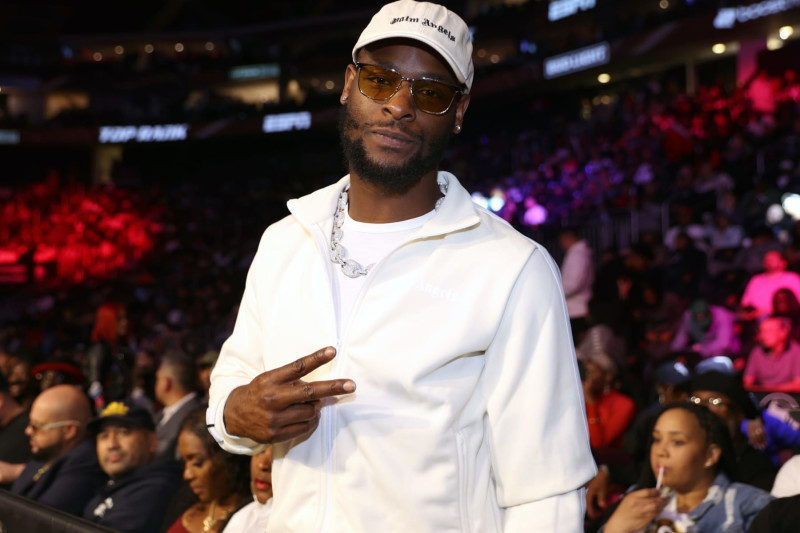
{"x":429,"y":96}
{"x":432,"y":96}
{"x":376,"y":82}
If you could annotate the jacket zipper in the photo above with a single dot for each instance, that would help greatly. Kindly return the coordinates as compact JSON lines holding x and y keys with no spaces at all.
{"x":327,"y":416}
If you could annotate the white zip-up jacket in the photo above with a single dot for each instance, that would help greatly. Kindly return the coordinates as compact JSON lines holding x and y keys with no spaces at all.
{"x":468,"y":413}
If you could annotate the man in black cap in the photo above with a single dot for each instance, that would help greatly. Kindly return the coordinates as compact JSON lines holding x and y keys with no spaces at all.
{"x":139,"y":488}
{"x":725,"y":396}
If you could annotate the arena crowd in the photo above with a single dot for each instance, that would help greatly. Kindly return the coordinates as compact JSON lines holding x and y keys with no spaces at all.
{"x":105,"y":352}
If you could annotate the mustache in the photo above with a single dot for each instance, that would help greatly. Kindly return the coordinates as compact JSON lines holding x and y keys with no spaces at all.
{"x":349,"y":122}
{"x":394,"y":125}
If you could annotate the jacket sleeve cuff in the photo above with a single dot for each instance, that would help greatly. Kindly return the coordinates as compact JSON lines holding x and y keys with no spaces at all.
{"x":230,"y":443}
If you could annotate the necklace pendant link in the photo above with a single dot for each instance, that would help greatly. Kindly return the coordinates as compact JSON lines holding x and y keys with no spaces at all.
{"x":352,"y":269}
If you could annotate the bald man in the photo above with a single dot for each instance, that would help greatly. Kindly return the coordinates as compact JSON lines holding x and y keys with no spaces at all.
{"x":64,"y":472}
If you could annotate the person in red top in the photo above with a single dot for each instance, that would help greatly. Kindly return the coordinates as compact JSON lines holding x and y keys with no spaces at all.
{"x":608,"y":411}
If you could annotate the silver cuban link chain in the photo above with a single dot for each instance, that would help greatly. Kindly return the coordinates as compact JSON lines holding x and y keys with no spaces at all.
{"x":350,"y":267}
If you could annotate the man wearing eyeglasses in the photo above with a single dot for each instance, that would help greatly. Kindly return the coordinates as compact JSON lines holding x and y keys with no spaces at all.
{"x":64,"y":472}
{"x":723,"y":394}
{"x":468,"y":414}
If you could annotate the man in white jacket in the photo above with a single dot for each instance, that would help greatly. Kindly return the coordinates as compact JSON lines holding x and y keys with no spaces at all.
{"x":468,"y":413}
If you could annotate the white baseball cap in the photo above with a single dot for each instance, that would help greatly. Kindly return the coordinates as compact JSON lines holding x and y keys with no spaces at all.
{"x":429,"y":23}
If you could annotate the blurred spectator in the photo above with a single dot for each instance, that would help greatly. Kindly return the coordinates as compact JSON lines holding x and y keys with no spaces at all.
{"x":724,"y":396}
{"x":687,"y":268}
{"x":723,"y":235}
{"x":205,"y":364}
{"x":255,"y":515}
{"x":755,"y":202}
{"x":144,"y":380}
{"x":6,"y":360}
{"x":577,"y":277}
{"x":659,"y":314}
{"x":139,"y":491}
{"x":219,"y":479}
{"x":792,"y":249}
{"x":725,"y":239}
{"x":14,"y":447}
{"x":774,"y":363}
{"x":781,"y":515}
{"x":718,"y":363}
{"x":57,"y":372}
{"x":761,"y":91}
{"x":21,"y":384}
{"x":786,"y":304}
{"x":757,"y":298}
{"x":712,"y":185}
{"x":750,"y":259}
{"x":609,"y":413}
{"x":787,"y":482}
{"x":658,"y":251}
{"x":686,"y":225}
{"x":708,"y":330}
{"x":176,"y":390}
{"x":601,"y":338}
{"x":64,"y":473}
{"x":110,"y":360}
{"x":772,"y":435}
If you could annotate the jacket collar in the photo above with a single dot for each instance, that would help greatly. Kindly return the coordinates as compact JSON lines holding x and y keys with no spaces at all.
{"x":457,"y":212}
{"x":714,"y":496}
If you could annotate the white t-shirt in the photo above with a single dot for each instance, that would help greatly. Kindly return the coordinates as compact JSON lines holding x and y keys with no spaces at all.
{"x":670,"y":520}
{"x":252,"y":517}
{"x":368,"y":244}
{"x":787,"y":482}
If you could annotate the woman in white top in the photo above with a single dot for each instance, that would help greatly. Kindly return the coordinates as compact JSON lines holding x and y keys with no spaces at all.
{"x":254,"y":515}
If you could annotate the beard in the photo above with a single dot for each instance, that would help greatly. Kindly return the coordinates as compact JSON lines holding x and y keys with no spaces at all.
{"x":392,"y":179}
{"x":46,"y":454}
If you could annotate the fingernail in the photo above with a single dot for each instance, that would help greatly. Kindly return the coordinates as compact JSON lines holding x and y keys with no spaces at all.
{"x":349,"y":386}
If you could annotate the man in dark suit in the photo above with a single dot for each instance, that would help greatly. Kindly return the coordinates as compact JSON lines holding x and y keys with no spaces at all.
{"x":64,"y":472}
{"x":176,"y":389}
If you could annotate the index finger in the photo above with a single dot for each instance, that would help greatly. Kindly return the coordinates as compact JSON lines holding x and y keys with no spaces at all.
{"x":303,"y":366}
{"x":315,"y":390}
